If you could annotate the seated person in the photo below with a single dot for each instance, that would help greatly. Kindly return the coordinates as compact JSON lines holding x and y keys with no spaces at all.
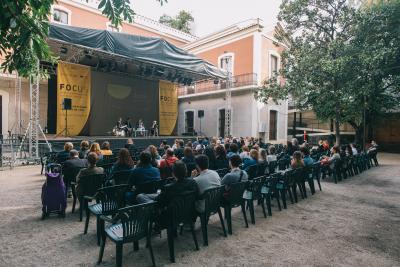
{"x":155,"y":157}
{"x":307,"y":159}
{"x":236,"y":174}
{"x":205,"y":179}
{"x":95,"y":148}
{"x":166,"y":163}
{"x":271,"y":154}
{"x":253,"y":160}
{"x":84,"y":149}
{"x":189,"y":160}
{"x":90,"y":170}
{"x":297,"y":161}
{"x":233,"y":150}
{"x":221,"y":161}
{"x":262,"y":156}
{"x":124,"y":162}
{"x":130,"y":145}
{"x":180,"y":186}
{"x":105,"y":149}
{"x":144,"y":172}
{"x":72,"y":166}
{"x":64,"y":155}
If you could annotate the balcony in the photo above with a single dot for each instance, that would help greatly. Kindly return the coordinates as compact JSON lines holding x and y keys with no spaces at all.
{"x":249,"y":79}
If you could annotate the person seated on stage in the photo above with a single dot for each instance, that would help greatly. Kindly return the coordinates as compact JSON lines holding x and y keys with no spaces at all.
{"x":154,"y":128}
{"x":95,"y":148}
{"x":166,"y":164}
{"x":119,"y":123}
{"x":92,"y":169}
{"x":84,"y":149}
{"x":64,"y":155}
{"x":129,"y":127}
{"x":105,"y":149}
{"x":124,"y":162}
{"x":180,"y":186}
{"x":144,"y":172}
{"x":155,"y":157}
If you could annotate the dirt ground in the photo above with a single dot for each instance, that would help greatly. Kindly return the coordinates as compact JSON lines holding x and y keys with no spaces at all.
{"x":353,"y":223}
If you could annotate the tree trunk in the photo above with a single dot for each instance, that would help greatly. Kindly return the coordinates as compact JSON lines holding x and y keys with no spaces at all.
{"x":337,"y":132}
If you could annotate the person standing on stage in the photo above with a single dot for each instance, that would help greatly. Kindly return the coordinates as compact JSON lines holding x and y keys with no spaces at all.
{"x":129,"y":126}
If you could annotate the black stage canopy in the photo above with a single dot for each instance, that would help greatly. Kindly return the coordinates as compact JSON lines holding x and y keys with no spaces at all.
{"x":148,"y":57}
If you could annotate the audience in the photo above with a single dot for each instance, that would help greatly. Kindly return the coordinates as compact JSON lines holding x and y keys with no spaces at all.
{"x":92,"y":169}
{"x":209,"y":152}
{"x":205,"y":178}
{"x":307,"y":159}
{"x":262,"y":158}
{"x":130,"y":145}
{"x":64,"y":155}
{"x":71,"y":167}
{"x":245,"y":153}
{"x":105,"y":149}
{"x":144,"y":172}
{"x":166,"y":163}
{"x":155,"y":157}
{"x":124,"y":162}
{"x":221,"y":160}
{"x":236,"y":174}
{"x":84,"y":150}
{"x":354,"y":149}
{"x":251,"y":161}
{"x":297,"y":161}
{"x":95,"y":148}
{"x":271,"y":154}
{"x":233,"y":150}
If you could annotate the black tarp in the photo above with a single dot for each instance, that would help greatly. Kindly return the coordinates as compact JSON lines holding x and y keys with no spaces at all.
{"x":137,"y":48}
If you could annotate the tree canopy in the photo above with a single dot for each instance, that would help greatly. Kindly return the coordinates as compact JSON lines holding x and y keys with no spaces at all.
{"x":24,"y":27}
{"x":340,"y":60}
{"x":181,"y":22}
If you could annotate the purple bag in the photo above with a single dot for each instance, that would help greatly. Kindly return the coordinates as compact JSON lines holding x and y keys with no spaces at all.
{"x":54,"y":198}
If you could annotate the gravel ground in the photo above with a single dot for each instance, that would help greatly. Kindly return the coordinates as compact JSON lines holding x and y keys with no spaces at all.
{"x":353,"y":223}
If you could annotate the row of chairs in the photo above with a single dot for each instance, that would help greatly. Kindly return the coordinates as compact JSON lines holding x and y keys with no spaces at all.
{"x":352,"y":165}
{"x":181,"y":211}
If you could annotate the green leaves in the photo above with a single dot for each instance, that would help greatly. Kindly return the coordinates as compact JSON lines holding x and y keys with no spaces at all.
{"x":340,"y":60}
{"x":24,"y":28}
{"x":180,"y":22}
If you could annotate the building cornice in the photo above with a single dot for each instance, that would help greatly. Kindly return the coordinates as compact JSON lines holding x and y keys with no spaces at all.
{"x":140,"y":22}
{"x":250,"y":26}
{"x":216,"y":92}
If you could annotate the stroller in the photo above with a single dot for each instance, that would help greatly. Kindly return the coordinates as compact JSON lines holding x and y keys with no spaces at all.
{"x":54,"y":199}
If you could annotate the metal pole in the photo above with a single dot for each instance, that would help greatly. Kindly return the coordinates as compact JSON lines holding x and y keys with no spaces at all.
{"x":364,"y":122}
{"x":228,"y":97}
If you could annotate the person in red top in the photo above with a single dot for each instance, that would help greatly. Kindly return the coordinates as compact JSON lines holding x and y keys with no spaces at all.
{"x":167,"y":163}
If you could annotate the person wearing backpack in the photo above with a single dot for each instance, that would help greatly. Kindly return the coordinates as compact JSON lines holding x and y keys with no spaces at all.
{"x":236,"y":174}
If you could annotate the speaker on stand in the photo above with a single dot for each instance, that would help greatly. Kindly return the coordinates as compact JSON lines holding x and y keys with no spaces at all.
{"x":66,"y":105}
{"x":200,"y":115}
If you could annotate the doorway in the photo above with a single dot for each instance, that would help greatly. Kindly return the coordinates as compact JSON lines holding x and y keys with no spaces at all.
{"x":189,"y":121}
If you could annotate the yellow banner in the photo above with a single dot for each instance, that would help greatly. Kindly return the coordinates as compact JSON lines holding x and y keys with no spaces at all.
{"x":168,"y":106}
{"x":73,"y":82}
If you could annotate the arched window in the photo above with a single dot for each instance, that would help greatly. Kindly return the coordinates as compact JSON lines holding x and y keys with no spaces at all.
{"x":61,"y":15}
{"x":226,"y":62}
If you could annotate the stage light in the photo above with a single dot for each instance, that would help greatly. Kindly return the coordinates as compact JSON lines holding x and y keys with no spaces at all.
{"x":159,"y":72}
{"x":63,"y":50}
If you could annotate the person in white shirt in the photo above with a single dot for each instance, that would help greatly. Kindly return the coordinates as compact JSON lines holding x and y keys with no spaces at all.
{"x":204,"y":178}
{"x":354,"y":149}
{"x":271,"y":154}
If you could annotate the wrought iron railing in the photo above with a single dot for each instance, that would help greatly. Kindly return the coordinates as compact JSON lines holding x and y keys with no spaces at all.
{"x":242,"y":80}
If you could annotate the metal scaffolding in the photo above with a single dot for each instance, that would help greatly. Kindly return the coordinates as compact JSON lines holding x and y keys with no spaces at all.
{"x":228,"y":99}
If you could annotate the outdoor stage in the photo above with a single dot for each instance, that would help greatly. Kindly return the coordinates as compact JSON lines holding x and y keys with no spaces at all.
{"x":57,"y":143}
